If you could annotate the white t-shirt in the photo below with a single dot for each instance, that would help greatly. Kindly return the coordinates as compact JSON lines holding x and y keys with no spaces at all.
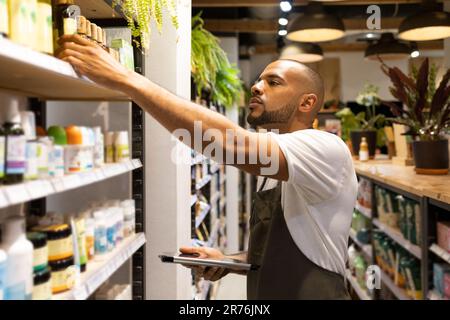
{"x":319,"y":196}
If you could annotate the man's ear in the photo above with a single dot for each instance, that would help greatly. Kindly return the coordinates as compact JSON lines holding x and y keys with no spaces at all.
{"x":307,"y":102}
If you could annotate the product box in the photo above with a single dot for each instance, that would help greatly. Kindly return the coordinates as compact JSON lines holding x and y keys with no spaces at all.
{"x":443,"y":235}
{"x":440,"y":270}
{"x":125,"y":52}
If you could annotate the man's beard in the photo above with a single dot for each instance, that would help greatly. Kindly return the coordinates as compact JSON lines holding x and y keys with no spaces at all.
{"x":281,"y":115}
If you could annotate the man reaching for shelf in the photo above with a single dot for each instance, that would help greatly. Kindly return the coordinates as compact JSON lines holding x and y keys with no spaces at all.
{"x":301,"y":214}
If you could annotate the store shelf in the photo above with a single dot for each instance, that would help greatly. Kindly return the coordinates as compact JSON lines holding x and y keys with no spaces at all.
{"x":203,"y":183}
{"x":99,"y":271}
{"x":35,"y":74}
{"x":362,"y":293}
{"x":434,"y":295}
{"x":194,"y":199}
{"x":366,"y":248}
{"x":397,"y":291}
{"x":202,"y":216}
{"x":214,"y":234}
{"x":443,"y":254}
{"x":27,"y":191}
{"x":363,"y":210}
{"x":398,"y":237}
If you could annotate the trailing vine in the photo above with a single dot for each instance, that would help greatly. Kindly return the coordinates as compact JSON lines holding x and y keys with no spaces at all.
{"x":139,"y":14}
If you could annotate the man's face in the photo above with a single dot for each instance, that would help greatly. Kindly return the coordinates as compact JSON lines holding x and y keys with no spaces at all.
{"x":275,"y":95}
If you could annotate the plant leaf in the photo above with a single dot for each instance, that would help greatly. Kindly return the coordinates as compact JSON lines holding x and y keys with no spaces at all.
{"x":422,"y":88}
{"x":441,"y":95}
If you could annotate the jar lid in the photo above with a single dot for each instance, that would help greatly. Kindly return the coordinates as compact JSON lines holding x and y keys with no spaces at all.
{"x":58,"y":231}
{"x":58,"y":265}
{"x":41,"y":276}
{"x":38,"y":239}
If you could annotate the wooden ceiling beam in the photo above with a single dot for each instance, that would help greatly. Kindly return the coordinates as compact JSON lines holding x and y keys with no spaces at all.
{"x":271,"y":26}
{"x":273,"y":3}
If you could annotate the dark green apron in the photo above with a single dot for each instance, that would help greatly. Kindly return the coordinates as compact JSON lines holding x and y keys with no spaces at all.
{"x":284,"y":272}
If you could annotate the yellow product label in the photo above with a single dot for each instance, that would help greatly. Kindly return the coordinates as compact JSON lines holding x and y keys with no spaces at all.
{"x":81,"y":239}
{"x":44,"y":28}
{"x":60,"y":249}
{"x":42,"y":291}
{"x":4,"y":20}
{"x":109,"y":154}
{"x":90,"y":247}
{"x":63,"y":280}
{"x":122,"y":152}
{"x":70,"y":26}
{"x":18,"y":21}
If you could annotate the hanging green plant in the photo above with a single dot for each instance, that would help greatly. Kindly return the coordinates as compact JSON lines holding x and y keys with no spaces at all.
{"x":210,"y":67}
{"x":139,"y":14}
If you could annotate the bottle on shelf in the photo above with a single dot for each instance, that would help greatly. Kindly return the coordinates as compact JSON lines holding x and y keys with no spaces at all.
{"x":19,"y":265}
{"x":15,"y":143}
{"x":31,"y":147}
{"x":22,"y":21}
{"x":363,"y":150}
{"x":81,"y":27}
{"x":64,"y":18}
{"x":44,"y":41}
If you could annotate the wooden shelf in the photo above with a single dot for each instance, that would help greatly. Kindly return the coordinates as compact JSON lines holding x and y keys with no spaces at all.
{"x":366,"y":248}
{"x":362,"y":293}
{"x":35,"y":74}
{"x":443,"y":254}
{"x":99,"y":271}
{"x":397,"y":236}
{"x":396,"y":290}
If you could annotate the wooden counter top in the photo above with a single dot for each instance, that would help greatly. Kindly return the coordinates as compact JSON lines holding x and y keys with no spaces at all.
{"x":401,"y":177}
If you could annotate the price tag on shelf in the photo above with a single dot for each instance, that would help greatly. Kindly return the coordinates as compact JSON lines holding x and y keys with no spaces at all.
{"x":71,"y":182}
{"x":58,"y":184}
{"x":3,"y":200}
{"x":129,"y":165}
{"x":136,"y":163}
{"x":17,"y":194}
{"x":35,"y":189}
{"x":108,"y":171}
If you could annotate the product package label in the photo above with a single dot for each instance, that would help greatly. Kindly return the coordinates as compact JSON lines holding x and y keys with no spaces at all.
{"x":15,"y":157}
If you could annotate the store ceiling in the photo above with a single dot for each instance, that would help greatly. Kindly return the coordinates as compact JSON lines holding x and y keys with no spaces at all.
{"x":256,"y":21}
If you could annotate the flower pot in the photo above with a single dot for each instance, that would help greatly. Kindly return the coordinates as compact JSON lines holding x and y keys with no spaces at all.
{"x":431,"y":157}
{"x":371,"y":137}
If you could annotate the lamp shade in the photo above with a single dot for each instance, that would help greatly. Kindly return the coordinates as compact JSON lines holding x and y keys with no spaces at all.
{"x":387,"y":48}
{"x":315,"y":26}
{"x":302,"y":52}
{"x":425,"y":25}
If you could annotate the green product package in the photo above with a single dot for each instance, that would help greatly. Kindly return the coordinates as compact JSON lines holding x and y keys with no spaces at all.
{"x":411,"y":222}
{"x":418,"y":220}
{"x":125,"y":52}
{"x":402,"y":215}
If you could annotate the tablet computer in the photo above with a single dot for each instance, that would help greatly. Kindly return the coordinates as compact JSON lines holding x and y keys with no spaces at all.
{"x":194,"y":260}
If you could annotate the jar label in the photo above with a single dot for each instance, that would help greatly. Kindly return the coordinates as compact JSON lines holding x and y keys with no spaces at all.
{"x":60,"y":249}
{"x":70,"y":26}
{"x":15,"y":156}
{"x":40,"y":258}
{"x":42,"y":291}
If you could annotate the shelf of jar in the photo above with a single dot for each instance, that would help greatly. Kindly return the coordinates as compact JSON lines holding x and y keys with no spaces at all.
{"x":31,"y":73}
{"x":35,"y":189}
{"x":99,"y":271}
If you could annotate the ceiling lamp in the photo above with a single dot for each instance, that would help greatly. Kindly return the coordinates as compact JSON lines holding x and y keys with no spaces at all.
{"x":387,"y":48}
{"x":302,"y":52}
{"x":428,"y":24}
{"x":314,"y":25}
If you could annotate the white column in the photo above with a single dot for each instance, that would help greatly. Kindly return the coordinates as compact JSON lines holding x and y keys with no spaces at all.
{"x":167,"y":183}
{"x":230,"y":46}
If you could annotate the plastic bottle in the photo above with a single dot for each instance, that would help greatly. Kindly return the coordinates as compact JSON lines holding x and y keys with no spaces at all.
{"x":45,"y":149}
{"x":101,"y":242}
{"x":60,"y":141}
{"x":19,"y":266}
{"x":122,"y":150}
{"x":363,"y":150}
{"x":80,"y":225}
{"x":18,"y":21}
{"x":90,"y":237}
{"x":110,"y":229}
{"x":99,"y":155}
{"x":119,"y":219}
{"x":73,"y":155}
{"x":3,"y":261}
{"x":44,"y":41}
{"x":15,"y":144}
{"x":109,"y":147}
{"x":128,"y":208}
{"x":4,"y":19}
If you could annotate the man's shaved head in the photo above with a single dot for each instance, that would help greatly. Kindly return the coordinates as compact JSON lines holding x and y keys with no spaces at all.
{"x":286,"y":92}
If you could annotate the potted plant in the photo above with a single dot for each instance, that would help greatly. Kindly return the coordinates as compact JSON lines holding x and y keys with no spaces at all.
{"x":427,"y":114}
{"x":370,"y":123}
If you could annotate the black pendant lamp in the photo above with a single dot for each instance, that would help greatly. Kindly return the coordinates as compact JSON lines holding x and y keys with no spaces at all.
{"x":429,"y":23}
{"x":302,"y":52}
{"x":387,"y":48}
{"x":314,"y":25}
